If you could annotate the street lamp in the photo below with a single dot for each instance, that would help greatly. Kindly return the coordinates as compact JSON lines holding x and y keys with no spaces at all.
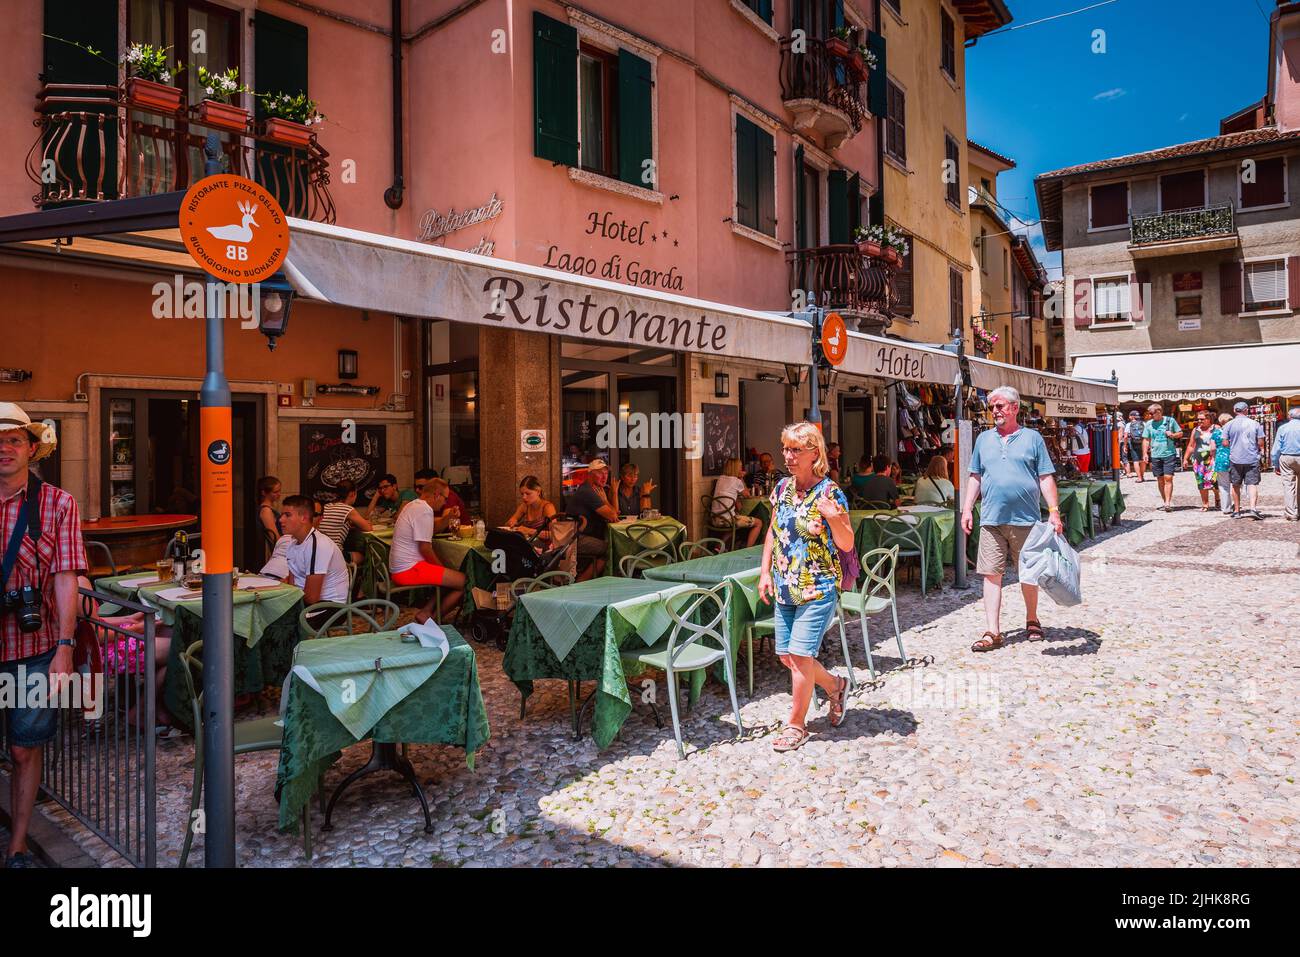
{"x":796,"y":373}
{"x":721,"y":385}
{"x":826,"y":376}
{"x":276,"y":302}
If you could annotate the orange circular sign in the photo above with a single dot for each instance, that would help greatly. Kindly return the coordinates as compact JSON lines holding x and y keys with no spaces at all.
{"x":835,"y":338}
{"x":234,"y":228}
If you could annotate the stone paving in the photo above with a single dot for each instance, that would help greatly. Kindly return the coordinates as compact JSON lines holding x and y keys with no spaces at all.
{"x":1157,"y":725}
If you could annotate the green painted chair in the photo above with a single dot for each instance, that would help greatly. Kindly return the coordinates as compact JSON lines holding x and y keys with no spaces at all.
{"x":697,"y":614}
{"x":384,"y":586}
{"x":720,"y":517}
{"x":648,"y":538}
{"x":259,"y":734}
{"x":704,"y":548}
{"x":552,"y":579}
{"x":860,"y":504}
{"x":379,"y":614}
{"x":903,"y":531}
{"x":878,"y":565}
{"x":630,"y":565}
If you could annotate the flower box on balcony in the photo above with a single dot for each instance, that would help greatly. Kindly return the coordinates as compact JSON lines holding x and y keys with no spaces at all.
{"x":857,"y":66}
{"x":150,"y":95}
{"x":223,"y":116}
{"x":837,"y":47}
{"x":893,"y":257}
{"x":287,"y":132}
{"x":869,"y":248}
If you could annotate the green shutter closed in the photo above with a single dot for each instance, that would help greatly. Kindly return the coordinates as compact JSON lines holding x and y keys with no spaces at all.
{"x":746,"y":174}
{"x":765,"y":172}
{"x":87,"y":170}
{"x":555,"y":90}
{"x":876,"y":208}
{"x":765,"y":10}
{"x":279,"y":56}
{"x":800,"y":202}
{"x":853,"y":197}
{"x":635,"y":137}
{"x":837,"y":182}
{"x":877,"y":100}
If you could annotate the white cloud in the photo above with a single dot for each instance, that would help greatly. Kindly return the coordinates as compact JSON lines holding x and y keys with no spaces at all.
{"x":1183,"y":117}
{"x":1112,"y":94}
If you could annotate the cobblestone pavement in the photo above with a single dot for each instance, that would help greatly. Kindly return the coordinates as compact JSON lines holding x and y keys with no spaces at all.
{"x":1156,"y":725}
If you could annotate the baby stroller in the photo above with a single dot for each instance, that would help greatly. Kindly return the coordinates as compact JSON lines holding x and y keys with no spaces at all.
{"x":523,"y":564}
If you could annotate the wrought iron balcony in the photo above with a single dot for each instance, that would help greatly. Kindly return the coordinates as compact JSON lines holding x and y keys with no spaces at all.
{"x":821,"y":91}
{"x":1184,"y":225}
{"x":858,"y":287}
{"x":95,"y":145}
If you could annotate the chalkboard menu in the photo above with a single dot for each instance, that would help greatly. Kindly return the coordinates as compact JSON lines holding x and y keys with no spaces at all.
{"x":721,"y":436}
{"x":325,"y":459}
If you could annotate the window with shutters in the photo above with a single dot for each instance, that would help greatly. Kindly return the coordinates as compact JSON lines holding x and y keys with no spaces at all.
{"x":761,"y":8}
{"x":1111,"y":300}
{"x":598,"y":110}
{"x":1108,"y":206}
{"x":1185,"y":190}
{"x":810,"y":212}
{"x":895,"y":122}
{"x":952,"y":170}
{"x":1268,"y":187}
{"x":903,"y":281}
{"x":755,"y":159}
{"x":1263,"y":285}
{"x":947,"y":44}
{"x":956,"y":301}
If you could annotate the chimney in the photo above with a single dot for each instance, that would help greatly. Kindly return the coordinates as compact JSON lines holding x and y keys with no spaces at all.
{"x":1284,"y":65}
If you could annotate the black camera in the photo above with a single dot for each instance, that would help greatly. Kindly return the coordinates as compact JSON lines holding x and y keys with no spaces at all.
{"x":24,"y":602}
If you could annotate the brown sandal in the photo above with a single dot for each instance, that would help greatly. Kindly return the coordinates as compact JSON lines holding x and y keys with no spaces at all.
{"x":837,"y":704}
{"x":987,"y":642}
{"x":790,"y":739}
{"x":1034,"y":629}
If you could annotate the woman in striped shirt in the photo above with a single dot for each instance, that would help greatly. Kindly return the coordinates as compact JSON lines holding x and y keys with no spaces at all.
{"x":342,"y":523}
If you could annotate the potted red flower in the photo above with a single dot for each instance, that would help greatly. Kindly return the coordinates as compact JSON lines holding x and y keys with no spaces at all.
{"x":290,"y":118}
{"x":150,"y":84}
{"x":216,"y":109}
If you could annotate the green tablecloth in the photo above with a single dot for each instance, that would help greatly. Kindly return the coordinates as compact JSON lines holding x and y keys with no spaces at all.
{"x":709,"y":570}
{"x":668,"y":533}
{"x":466,"y":555}
{"x":253,"y":612}
{"x":446,"y":708}
{"x":1076,"y":512}
{"x":930,"y":529}
{"x":575,"y":632}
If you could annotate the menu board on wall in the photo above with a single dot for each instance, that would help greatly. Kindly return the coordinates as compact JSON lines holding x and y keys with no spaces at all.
{"x":325,"y":459}
{"x":721,"y":436}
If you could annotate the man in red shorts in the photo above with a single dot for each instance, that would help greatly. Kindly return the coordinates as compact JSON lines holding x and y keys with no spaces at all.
{"x":412,"y":561}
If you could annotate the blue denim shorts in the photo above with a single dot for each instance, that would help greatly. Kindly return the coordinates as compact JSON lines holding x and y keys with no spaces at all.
{"x":28,"y":727}
{"x":799,"y":628}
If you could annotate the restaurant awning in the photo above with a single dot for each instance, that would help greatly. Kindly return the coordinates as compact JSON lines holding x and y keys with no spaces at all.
{"x":362,"y":270}
{"x":1032,"y":383}
{"x":1223,"y":372}
{"x":892,"y":359}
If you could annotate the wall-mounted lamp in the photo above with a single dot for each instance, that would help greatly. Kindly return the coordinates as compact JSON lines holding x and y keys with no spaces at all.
{"x":826,"y":377}
{"x":796,"y":373}
{"x":15,"y":375}
{"x":276,"y":301}
{"x":347,"y":364}
{"x":721,"y":385}
{"x":768,"y":377}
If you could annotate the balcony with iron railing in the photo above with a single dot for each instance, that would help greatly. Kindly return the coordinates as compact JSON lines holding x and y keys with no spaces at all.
{"x":861,"y":288}
{"x":97,"y":145}
{"x":1201,"y":229}
{"x":821,"y":90}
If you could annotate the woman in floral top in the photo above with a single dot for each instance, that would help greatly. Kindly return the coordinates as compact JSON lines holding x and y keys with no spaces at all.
{"x":801,"y":568}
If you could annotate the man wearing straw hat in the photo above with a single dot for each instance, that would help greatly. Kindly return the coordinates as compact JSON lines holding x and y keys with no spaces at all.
{"x":40,"y":534}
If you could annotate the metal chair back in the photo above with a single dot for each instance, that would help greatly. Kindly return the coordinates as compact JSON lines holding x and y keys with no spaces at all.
{"x":698,"y":613}
{"x":648,"y":538}
{"x":629,"y":565}
{"x":902,"y":530}
{"x":554,"y":579}
{"x":878,"y":565}
{"x":704,"y":548}
{"x":95,"y":548}
{"x":379,"y":613}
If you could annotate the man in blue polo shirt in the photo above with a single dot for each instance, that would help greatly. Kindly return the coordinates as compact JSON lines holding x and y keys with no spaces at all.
{"x":1009,"y":469}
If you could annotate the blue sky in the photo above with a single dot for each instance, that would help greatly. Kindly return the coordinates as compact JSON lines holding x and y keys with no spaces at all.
{"x":1170,"y":71}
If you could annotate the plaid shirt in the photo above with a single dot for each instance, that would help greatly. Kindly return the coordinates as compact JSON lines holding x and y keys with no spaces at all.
{"x":61,"y":549}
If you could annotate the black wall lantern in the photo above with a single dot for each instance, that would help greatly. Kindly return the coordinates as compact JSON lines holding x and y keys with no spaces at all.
{"x":347,"y":364}
{"x":276,"y":297}
{"x":826,"y":377}
{"x":721,"y":385}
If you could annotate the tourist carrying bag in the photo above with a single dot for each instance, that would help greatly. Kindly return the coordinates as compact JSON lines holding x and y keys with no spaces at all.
{"x":1048,"y":561}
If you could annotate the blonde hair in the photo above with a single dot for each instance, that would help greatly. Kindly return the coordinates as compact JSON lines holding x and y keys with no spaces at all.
{"x":807,"y":435}
{"x":1224,"y":417}
{"x":733,"y":468}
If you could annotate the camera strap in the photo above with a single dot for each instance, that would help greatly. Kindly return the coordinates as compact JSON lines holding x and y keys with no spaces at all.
{"x":29,"y":522}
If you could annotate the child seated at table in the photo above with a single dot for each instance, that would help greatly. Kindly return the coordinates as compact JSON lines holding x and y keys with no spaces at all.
{"x":125,"y":654}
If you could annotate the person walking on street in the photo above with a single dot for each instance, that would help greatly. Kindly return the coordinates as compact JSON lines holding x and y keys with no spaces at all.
{"x":1200,"y":456}
{"x":801,"y":568}
{"x":1159,"y":452}
{"x":1247,"y":447}
{"x":1131,"y":444}
{"x":1222,"y":468}
{"x":40,"y":534}
{"x":1009,"y":469}
{"x":1286,"y":462}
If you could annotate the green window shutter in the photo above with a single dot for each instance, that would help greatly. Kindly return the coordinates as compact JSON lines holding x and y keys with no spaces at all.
{"x":91,"y":23}
{"x":635,"y":137}
{"x":555,"y":90}
{"x":279,"y":56}
{"x":877,"y":100}
{"x":765,"y":172}
{"x":746,"y":173}
{"x":837,"y":182}
{"x":876,"y":208}
{"x":73,"y":144}
{"x":853,"y":197}
{"x":800,"y":202}
{"x":837,"y":14}
{"x":765,"y":10}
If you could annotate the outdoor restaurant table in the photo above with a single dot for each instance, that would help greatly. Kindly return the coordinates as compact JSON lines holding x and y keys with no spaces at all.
{"x":267,"y":621}
{"x":670,"y":534}
{"x":575,"y":632}
{"x":930,"y":528}
{"x":466,"y":555}
{"x":1076,"y":511}
{"x":418,"y":697}
{"x":1105,"y":494}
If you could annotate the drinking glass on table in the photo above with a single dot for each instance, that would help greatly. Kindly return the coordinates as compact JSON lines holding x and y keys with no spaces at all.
{"x":165,"y":569}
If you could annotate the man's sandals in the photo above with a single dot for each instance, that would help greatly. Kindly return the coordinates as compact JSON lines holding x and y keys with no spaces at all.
{"x":1034,"y":629}
{"x":987,"y":642}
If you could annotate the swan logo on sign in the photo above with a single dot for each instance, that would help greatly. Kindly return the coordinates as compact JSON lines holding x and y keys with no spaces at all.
{"x":234,"y":228}
{"x":219,"y":452}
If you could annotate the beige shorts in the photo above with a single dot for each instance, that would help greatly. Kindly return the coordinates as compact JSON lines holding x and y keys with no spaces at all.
{"x":997,"y":543}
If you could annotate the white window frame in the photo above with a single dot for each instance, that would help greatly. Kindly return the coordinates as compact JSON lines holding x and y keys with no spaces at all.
{"x":819,"y":161}
{"x":1286,"y":190}
{"x":1205,"y":188}
{"x":1097,"y":323}
{"x":1289,"y":306}
{"x":1128,"y":196}
{"x":740,"y":107}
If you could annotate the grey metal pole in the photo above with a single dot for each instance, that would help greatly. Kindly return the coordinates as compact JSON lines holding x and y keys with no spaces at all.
{"x":959,"y":533}
{"x":218,"y":601}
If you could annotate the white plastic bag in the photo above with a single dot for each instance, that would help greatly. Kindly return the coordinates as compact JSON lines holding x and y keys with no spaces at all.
{"x":1048,"y":561}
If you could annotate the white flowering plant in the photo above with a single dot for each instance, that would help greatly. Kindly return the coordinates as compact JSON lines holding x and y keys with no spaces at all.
{"x":868,"y":57}
{"x":295,"y":107}
{"x":148,"y":62}
{"x":220,"y":86}
{"x":885,"y":236}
